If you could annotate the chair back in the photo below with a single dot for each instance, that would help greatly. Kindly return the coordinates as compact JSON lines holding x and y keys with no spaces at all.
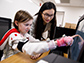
{"x":77,"y":50}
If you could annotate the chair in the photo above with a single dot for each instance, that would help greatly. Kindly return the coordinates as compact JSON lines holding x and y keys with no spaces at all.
{"x":5,"y":24}
{"x":76,"y":52}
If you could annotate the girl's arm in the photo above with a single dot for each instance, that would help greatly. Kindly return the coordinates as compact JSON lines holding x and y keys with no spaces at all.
{"x":35,"y":47}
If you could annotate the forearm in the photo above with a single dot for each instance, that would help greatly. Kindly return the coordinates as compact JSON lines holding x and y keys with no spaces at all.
{"x":38,"y":47}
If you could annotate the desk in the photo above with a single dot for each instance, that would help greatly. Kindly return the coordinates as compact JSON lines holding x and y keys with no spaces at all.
{"x":22,"y":58}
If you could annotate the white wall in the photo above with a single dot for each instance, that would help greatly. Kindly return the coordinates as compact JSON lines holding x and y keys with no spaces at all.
{"x":8,"y":8}
{"x":72,"y":14}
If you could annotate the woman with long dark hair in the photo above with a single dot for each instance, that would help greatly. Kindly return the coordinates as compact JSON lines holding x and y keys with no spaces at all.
{"x":44,"y":25}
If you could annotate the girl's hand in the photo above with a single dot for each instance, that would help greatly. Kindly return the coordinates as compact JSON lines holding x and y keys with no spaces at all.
{"x":36,"y":56}
{"x":68,"y":40}
{"x":64,"y":41}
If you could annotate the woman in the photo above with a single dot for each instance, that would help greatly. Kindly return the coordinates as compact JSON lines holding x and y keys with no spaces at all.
{"x":44,"y":25}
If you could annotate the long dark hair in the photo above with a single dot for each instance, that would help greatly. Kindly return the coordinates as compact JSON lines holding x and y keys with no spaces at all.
{"x":39,"y":27}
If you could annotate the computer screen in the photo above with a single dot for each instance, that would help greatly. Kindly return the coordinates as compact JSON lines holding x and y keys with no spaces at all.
{"x":5,"y":25}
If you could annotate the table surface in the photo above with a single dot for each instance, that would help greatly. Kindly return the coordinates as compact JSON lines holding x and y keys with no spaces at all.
{"x":22,"y":58}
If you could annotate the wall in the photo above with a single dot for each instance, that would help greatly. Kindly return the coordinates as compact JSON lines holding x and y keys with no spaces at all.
{"x":8,"y":8}
{"x":72,"y":14}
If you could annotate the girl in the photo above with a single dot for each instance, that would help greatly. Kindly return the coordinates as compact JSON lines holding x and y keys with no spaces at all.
{"x":19,"y":39}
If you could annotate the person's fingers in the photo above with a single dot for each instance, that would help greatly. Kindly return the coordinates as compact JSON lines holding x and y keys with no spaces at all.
{"x":36,"y":56}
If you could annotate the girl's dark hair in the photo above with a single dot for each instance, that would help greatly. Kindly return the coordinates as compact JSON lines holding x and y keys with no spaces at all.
{"x":39,"y":27}
{"x":21,"y":16}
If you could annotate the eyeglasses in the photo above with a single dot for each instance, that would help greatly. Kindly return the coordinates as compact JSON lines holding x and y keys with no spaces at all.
{"x":47,"y":15}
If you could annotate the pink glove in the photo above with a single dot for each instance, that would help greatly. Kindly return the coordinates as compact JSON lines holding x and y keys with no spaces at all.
{"x":64,"y":41}
{"x":68,"y":40}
